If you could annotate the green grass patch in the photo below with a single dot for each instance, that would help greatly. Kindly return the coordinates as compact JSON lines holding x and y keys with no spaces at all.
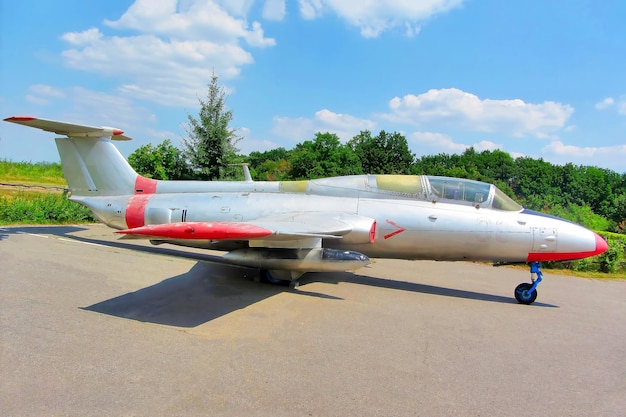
{"x":44,"y":208}
{"x":568,"y":271}
{"x":41,"y":173}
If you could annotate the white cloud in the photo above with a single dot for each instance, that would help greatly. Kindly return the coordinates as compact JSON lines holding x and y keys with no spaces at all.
{"x":605,"y":104}
{"x":607,"y":156}
{"x":236,"y":7}
{"x":95,"y":107}
{"x":427,"y":141}
{"x":609,"y":102}
{"x":411,"y":30}
{"x":82,"y":38}
{"x":311,"y":9}
{"x":274,"y":10}
{"x":38,"y":100}
{"x":178,"y":46}
{"x":170,"y":73}
{"x":41,"y":94}
{"x":250,"y":142}
{"x":375,"y":17}
{"x":433,"y":142}
{"x":189,"y":20}
{"x":559,"y":148}
{"x":299,"y":129}
{"x":454,"y":108}
{"x":343,"y":121}
{"x":256,"y":37}
{"x":486,"y":145}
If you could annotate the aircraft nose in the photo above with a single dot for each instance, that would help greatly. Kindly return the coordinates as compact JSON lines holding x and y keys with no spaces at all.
{"x":555,"y":239}
{"x":601,"y":245}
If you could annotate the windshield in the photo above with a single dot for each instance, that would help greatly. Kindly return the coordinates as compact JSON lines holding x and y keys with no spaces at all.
{"x":504,"y":202}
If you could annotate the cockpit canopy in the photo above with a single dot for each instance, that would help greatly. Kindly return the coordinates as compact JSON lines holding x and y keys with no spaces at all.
{"x":474,"y":192}
{"x":448,"y":190}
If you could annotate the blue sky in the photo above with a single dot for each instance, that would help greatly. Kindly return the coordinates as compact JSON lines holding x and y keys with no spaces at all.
{"x":536,"y":78}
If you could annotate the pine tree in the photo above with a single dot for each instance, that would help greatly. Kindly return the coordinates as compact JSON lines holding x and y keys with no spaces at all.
{"x":210,"y":145}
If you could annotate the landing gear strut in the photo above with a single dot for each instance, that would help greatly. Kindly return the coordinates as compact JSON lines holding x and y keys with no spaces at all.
{"x":526,"y":293}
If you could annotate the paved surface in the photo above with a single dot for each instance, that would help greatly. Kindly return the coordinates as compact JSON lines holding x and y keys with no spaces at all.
{"x":94,"y":326}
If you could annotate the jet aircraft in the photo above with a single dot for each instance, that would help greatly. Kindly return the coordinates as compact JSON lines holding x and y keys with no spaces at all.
{"x":288,"y":228}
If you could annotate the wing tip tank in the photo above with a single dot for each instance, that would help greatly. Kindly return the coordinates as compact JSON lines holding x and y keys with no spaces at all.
{"x":20,"y":119}
{"x":209,"y":231}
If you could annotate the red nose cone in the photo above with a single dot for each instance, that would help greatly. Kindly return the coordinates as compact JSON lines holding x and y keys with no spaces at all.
{"x":601,"y":245}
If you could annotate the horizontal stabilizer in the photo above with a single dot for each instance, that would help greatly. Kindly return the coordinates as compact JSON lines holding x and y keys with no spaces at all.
{"x":198,"y":230}
{"x":69,"y":129}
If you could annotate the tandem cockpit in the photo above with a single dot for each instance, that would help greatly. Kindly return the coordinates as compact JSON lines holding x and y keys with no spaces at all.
{"x":446,"y":190}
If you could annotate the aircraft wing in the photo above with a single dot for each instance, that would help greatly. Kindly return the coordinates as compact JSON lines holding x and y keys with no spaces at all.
{"x":285,"y":231}
{"x":69,"y":129}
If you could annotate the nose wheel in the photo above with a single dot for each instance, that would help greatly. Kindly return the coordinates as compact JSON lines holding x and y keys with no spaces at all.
{"x":526,"y":293}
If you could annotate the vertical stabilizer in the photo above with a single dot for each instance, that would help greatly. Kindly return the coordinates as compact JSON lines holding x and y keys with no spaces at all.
{"x":91,"y":163}
{"x":94,"y":166}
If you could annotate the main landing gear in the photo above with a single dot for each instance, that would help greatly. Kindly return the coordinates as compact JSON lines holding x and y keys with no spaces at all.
{"x":280,"y":277}
{"x":526,"y":293}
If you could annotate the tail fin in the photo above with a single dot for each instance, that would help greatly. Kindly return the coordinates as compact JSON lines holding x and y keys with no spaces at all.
{"x":91,"y":163}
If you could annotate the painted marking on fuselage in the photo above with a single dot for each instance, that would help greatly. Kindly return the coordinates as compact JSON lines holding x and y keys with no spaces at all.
{"x":136,"y":207}
{"x":397,"y":232}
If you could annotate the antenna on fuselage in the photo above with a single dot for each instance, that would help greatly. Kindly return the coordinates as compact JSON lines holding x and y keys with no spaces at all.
{"x":246,"y":171}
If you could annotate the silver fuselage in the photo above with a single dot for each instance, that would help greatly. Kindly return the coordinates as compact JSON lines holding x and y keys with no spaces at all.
{"x":412,"y":222}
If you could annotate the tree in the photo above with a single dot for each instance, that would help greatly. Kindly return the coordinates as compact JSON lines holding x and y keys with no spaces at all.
{"x":384,"y":153}
{"x":270,"y":165}
{"x":537,"y":183}
{"x":161,"y":162}
{"x":445,"y":165}
{"x":324,"y":156}
{"x":210,"y":145}
{"x":619,"y":213}
{"x":493,"y":166}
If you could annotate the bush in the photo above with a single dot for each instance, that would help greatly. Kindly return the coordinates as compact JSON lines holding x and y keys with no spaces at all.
{"x":44,"y":208}
{"x":611,"y":260}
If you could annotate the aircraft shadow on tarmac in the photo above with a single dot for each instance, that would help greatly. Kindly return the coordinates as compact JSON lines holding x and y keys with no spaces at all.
{"x":206,"y":292}
{"x":211,"y":289}
{"x":64,"y":231}
{"x":431,"y":289}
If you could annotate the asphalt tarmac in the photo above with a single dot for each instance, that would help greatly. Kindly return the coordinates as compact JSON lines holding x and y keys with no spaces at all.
{"x":94,"y":326}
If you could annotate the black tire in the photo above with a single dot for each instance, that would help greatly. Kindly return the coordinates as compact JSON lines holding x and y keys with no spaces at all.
{"x":523,"y":296}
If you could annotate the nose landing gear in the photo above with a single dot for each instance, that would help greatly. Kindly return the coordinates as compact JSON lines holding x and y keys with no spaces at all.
{"x":526,"y":293}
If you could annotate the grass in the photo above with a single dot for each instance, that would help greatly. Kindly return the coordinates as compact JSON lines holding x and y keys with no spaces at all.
{"x":619,"y":275}
{"x":34,"y":194}
{"x":26,"y":173}
{"x":44,"y":208}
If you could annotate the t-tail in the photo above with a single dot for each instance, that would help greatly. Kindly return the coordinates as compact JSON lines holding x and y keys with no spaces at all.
{"x":97,"y":174}
{"x":92,"y":165}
